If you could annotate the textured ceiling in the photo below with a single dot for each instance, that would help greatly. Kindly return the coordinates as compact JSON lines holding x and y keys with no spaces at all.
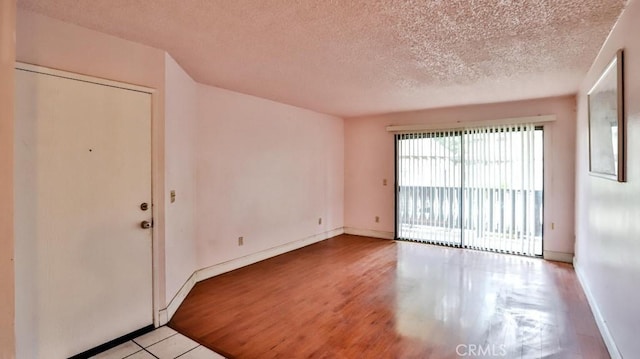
{"x":356,"y":57}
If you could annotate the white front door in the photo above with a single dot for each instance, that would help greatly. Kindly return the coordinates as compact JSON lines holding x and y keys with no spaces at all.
{"x":83,"y":169}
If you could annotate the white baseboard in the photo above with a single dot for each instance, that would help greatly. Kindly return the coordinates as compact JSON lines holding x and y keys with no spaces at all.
{"x":220,"y":268}
{"x":217,"y":269}
{"x":369,"y":233}
{"x":558,"y":256}
{"x":602,"y":324}
{"x":163,"y":319}
{"x":167,"y":313}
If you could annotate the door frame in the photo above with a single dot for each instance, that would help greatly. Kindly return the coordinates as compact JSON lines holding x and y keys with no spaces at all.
{"x":156,"y":173}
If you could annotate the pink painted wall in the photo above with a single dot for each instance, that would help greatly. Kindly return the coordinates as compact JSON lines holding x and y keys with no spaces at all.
{"x":369,"y":158}
{"x":7,"y":288}
{"x":608,"y":212}
{"x":180,"y":175}
{"x":266,"y":171}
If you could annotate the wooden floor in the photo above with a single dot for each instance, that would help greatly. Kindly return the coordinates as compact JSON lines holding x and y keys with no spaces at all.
{"x":358,"y":297}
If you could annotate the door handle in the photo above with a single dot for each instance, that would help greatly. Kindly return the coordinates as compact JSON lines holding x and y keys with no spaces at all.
{"x":146,"y":224}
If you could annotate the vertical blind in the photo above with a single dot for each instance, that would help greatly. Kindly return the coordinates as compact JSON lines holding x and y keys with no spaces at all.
{"x":476,"y":188}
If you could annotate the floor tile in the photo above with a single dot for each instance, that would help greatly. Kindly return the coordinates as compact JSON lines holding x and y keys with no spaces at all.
{"x":154,"y":336}
{"x":120,"y":351}
{"x":172,"y":347}
{"x":201,"y":353}
{"x":141,"y":355}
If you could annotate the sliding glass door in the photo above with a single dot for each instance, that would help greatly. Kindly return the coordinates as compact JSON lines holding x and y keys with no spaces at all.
{"x":475,"y":188}
{"x":429,"y":198}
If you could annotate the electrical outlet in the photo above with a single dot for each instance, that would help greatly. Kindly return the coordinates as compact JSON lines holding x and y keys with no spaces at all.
{"x":377,"y":219}
{"x":320,"y":220}
{"x":173,"y":195}
{"x":553,"y":226}
{"x":240,"y":241}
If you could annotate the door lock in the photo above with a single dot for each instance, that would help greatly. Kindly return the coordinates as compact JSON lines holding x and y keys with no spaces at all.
{"x":144,"y":206}
{"x":146,"y":224}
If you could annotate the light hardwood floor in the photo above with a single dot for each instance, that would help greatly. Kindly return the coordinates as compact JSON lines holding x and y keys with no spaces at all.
{"x":358,"y":297}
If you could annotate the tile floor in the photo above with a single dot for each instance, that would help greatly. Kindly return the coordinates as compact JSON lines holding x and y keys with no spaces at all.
{"x":162,"y":343}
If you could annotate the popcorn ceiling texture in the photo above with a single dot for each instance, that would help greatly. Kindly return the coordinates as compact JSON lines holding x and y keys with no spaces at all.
{"x":357,"y":57}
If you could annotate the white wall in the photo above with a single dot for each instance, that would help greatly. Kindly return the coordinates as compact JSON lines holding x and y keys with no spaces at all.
{"x":7,"y":288}
{"x":266,"y":171}
{"x":180,"y":175}
{"x":369,"y":158}
{"x":44,"y":41}
{"x":221,"y":136}
{"x":608,"y":212}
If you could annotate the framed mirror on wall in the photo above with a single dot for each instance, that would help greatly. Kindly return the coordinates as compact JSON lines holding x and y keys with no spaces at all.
{"x":607,"y":135}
